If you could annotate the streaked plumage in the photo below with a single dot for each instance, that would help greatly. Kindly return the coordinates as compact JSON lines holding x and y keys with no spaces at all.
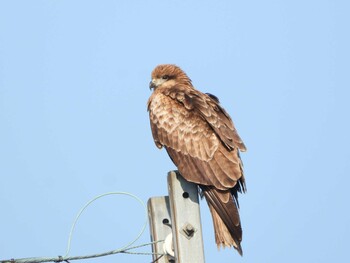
{"x":203,"y":143}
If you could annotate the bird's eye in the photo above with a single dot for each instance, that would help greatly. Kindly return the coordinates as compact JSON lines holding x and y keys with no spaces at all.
{"x":165,"y":77}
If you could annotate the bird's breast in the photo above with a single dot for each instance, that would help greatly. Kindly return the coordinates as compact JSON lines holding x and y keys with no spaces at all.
{"x":166,"y":111}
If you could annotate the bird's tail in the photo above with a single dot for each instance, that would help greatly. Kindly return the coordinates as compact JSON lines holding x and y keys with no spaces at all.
{"x":224,"y":210}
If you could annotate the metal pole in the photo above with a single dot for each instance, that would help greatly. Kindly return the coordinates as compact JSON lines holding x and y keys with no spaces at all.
{"x":160,"y":227}
{"x":186,"y":222}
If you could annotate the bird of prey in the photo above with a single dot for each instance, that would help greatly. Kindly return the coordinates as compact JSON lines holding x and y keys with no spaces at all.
{"x":203,"y":143}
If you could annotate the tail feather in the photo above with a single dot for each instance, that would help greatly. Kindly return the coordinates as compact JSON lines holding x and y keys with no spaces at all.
{"x":224,"y":210}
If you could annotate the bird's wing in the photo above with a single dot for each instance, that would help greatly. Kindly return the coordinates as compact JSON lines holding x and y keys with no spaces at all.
{"x":208,"y":106}
{"x":199,"y":138}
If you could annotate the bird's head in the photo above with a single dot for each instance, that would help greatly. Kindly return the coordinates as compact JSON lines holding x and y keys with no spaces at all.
{"x":168,"y":75}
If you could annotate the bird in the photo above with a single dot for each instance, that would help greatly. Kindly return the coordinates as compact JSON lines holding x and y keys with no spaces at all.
{"x":203,"y":143}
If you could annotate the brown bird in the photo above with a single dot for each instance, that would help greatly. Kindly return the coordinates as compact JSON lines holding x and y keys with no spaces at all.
{"x":203,"y":143}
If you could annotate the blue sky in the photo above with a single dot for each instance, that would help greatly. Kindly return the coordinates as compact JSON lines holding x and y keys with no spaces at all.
{"x":73,"y":123}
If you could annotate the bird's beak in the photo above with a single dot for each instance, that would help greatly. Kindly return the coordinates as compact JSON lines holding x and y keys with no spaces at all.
{"x":152,"y":85}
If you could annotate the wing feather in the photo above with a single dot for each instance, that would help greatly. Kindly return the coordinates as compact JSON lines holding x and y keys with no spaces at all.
{"x":210,"y":110}
{"x":188,"y":133}
{"x":171,"y":121}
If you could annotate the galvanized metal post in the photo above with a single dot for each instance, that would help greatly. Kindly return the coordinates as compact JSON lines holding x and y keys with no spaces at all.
{"x":186,"y":222}
{"x":176,"y":220}
{"x":160,"y":227}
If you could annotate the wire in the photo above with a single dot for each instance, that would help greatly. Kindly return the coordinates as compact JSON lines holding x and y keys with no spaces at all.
{"x":125,"y":249}
{"x":66,"y":259}
{"x":98,"y":197}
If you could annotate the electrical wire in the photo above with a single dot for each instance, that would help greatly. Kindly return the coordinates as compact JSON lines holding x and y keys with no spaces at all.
{"x":125,"y":249}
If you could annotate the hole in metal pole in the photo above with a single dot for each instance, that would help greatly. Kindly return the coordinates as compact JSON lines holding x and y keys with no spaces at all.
{"x":165,"y":221}
{"x":185,"y":195}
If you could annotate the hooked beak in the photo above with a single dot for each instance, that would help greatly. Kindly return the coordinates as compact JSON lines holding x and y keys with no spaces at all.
{"x":152,"y":85}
